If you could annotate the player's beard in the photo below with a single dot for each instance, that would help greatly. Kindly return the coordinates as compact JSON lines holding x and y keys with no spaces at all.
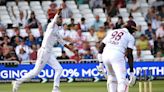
{"x":59,"y":23}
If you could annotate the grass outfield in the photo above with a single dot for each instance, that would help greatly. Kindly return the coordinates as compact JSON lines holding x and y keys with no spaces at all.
{"x":158,"y":86}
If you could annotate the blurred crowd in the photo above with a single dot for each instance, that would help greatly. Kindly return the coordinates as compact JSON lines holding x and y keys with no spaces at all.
{"x":84,"y":39}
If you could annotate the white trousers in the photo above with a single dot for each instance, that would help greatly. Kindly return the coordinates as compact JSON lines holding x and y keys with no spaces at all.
{"x":116,"y":70}
{"x":44,"y":57}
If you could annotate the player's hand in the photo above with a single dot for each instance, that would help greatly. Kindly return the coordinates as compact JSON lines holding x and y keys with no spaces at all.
{"x":59,"y":10}
{"x":100,"y":68}
{"x":99,"y":57}
{"x":132,"y":80}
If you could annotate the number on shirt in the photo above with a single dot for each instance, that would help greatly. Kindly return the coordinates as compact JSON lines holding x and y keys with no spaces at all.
{"x":117,"y":35}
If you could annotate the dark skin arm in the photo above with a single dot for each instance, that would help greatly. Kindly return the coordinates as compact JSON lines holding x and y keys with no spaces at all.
{"x":69,"y":47}
{"x":101,"y":48}
{"x":102,"y":45}
{"x":130,"y":58}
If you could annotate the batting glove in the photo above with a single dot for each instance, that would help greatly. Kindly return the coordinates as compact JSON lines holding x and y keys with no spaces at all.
{"x":132,"y":80}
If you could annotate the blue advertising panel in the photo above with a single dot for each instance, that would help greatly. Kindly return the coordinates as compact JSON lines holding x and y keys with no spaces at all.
{"x":79,"y":70}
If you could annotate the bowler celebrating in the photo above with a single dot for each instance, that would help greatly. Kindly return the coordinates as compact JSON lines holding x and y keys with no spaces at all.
{"x":112,"y":52}
{"x":45,"y":55}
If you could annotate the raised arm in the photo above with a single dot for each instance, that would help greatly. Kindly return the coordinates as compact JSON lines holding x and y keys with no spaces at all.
{"x":12,"y":10}
{"x":53,"y":22}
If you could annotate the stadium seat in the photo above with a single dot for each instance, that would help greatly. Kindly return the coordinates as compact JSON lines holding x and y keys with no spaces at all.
{"x":114,"y":19}
{"x":35,"y":32}
{"x":23,"y":33}
{"x":22,"y":3}
{"x":3,"y":8}
{"x":148,"y":58}
{"x":83,"y":6}
{"x":34,"y":3}
{"x":75,"y":11}
{"x":46,"y":3}
{"x":137,"y":14}
{"x":145,"y":52}
{"x":58,"y":2}
{"x":72,"y":6}
{"x":70,"y":2}
{"x":86,"y":11}
{"x":67,"y":20}
{"x":11,"y":3}
{"x":89,"y":16}
{"x":10,"y":32}
{"x":124,"y":14}
{"x":122,"y":10}
{"x":77,"y":15}
{"x":97,"y":11}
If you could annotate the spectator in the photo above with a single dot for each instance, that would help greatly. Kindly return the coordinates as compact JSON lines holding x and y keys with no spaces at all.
{"x":150,"y":14}
{"x":72,"y":22}
{"x":88,"y":54}
{"x":2,"y":31}
{"x":39,"y":39}
{"x":159,"y":45}
{"x":11,"y":56}
{"x":21,"y":19}
{"x":76,"y":56}
{"x":33,"y":22}
{"x":65,"y":33}
{"x":30,"y":40}
{"x":83,"y":49}
{"x":96,"y":4}
{"x":6,"y":49}
{"x":77,"y":36}
{"x":112,"y":9}
{"x":130,"y":17}
{"x":160,"y":31}
{"x":16,"y":42}
{"x":156,"y":22}
{"x":52,"y":11}
{"x":16,"y":35}
{"x":6,"y":40}
{"x":95,"y":49}
{"x":63,"y":56}
{"x":161,"y":13}
{"x":92,"y":37}
{"x":139,"y":32}
{"x":1,"y":54}
{"x":119,"y":23}
{"x":83,"y":25}
{"x":135,"y":6}
{"x":66,"y":12}
{"x":22,"y":45}
{"x":101,"y":33}
{"x":142,"y":44}
{"x":73,"y":32}
{"x":159,"y":56}
{"x":23,"y":55}
{"x":98,"y":23}
{"x":120,"y":3}
{"x":33,"y":54}
{"x":150,"y":33}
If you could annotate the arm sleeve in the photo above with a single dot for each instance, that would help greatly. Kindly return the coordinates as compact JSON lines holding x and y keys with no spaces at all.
{"x":53,"y":22}
{"x":105,"y":40}
{"x":131,"y":42}
{"x":60,"y":39}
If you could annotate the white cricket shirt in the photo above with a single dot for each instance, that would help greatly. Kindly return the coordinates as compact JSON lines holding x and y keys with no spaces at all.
{"x":118,"y":41}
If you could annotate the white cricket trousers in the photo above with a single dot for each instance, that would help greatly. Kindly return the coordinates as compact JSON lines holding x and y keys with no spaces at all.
{"x":44,"y":57}
{"x":115,"y":65}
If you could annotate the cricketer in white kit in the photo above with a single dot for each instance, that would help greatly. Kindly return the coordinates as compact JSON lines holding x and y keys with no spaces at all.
{"x":112,"y":54}
{"x":45,"y":55}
